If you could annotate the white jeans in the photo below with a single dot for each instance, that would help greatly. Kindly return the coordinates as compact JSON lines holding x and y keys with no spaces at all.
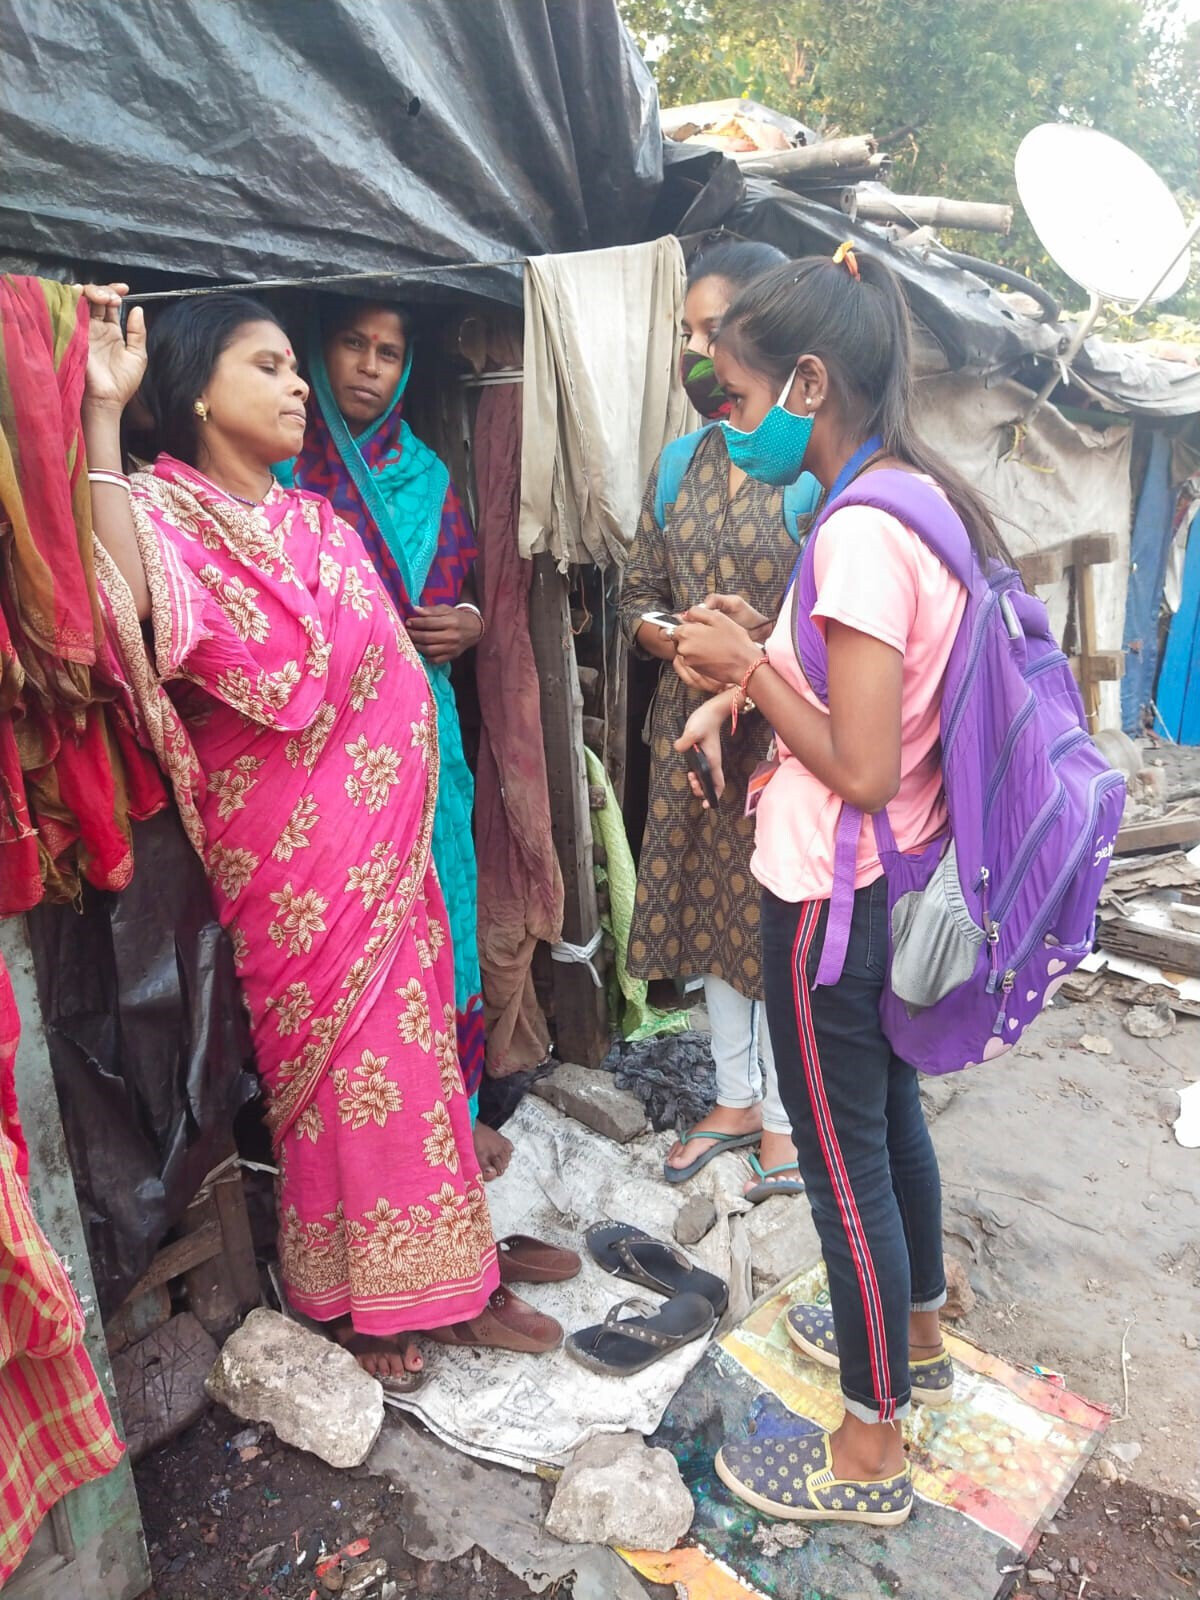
{"x":739,"y":1036}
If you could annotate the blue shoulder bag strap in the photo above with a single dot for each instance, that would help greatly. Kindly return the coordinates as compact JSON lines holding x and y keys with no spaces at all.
{"x":800,"y":499}
{"x":673,"y":462}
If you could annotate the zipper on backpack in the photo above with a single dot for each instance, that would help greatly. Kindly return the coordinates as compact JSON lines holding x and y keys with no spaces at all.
{"x":1006,"y":754}
{"x":991,"y":930}
{"x":1100,"y":784}
{"x":1030,"y":846}
{"x":1006,"y":988}
{"x":1056,"y":658}
{"x":1065,"y":743}
{"x":973,"y":654}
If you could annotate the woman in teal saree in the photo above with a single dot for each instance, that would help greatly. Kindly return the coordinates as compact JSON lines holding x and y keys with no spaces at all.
{"x":396,"y":492}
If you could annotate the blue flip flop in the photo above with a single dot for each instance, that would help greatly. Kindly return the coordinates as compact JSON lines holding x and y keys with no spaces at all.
{"x":765,"y":1187}
{"x":725,"y":1141}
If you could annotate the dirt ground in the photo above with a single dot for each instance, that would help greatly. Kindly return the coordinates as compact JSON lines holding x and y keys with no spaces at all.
{"x":1077,"y":1216}
{"x":218,"y":1529}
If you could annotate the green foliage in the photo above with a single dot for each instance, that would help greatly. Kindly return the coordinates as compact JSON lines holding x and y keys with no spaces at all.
{"x":949,"y":86}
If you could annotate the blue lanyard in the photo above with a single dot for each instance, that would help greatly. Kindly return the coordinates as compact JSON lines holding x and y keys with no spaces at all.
{"x":854,"y":466}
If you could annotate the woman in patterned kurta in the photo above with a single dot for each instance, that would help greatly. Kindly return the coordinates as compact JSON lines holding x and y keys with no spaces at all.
{"x":291,"y":712}
{"x":697,"y":906}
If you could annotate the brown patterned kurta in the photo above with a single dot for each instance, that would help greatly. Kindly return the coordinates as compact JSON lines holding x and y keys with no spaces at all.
{"x":697,"y":909}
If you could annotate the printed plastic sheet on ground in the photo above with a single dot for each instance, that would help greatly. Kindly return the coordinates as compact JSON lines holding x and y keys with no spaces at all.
{"x":989,"y":1472}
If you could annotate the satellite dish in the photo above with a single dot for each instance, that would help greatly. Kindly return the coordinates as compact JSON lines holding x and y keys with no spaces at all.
{"x":1103,"y":214}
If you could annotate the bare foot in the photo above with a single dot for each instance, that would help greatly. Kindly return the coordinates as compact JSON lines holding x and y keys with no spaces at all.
{"x":492,"y":1151}
{"x":776,"y":1150}
{"x":721,"y":1119}
{"x":391,"y":1357}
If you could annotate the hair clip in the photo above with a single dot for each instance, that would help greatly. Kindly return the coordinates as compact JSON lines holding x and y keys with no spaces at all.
{"x":844,"y":256}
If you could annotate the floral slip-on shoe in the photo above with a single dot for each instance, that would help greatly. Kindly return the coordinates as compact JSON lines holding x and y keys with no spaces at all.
{"x":794,"y":1479}
{"x":810,"y":1328}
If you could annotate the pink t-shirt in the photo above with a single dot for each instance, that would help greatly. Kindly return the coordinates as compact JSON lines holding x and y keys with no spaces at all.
{"x":875,"y":575}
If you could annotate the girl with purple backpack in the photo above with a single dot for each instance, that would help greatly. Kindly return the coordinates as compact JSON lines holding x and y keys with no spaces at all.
{"x":815,"y":357}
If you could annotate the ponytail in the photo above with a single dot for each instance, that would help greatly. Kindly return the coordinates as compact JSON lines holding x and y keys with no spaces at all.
{"x":859,"y":326}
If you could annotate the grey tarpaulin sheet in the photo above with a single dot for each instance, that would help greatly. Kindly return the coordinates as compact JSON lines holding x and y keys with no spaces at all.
{"x":336,"y":136}
{"x":149,"y":1046}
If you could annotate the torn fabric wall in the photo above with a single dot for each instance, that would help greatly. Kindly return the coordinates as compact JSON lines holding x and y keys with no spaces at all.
{"x":1064,"y":481}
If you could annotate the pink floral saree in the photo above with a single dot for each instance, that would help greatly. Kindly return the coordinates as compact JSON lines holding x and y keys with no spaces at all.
{"x":294,"y":719}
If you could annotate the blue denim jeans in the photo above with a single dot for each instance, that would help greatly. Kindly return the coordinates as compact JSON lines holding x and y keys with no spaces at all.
{"x":861,"y":1141}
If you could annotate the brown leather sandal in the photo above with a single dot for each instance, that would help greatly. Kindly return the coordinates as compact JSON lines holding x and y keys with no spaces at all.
{"x":505,"y":1323}
{"x":524,"y":1259}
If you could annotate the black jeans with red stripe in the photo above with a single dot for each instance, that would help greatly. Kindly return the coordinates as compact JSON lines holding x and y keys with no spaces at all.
{"x":861,"y":1141}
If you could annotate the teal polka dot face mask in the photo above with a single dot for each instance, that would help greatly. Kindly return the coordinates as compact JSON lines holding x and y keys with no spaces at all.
{"x":774,"y":451}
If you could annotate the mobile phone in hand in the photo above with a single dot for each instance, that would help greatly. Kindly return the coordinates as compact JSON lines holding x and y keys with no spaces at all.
{"x":697,"y":762}
{"x":666,"y":620}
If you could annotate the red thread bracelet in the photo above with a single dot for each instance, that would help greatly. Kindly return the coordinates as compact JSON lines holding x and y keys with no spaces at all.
{"x":743,"y":689}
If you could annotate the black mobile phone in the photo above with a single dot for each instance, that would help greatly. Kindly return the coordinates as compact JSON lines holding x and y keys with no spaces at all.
{"x":697,"y":762}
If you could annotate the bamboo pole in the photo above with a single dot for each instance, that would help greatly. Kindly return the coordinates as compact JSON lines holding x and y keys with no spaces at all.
{"x":933,"y":211}
{"x":830,"y":156}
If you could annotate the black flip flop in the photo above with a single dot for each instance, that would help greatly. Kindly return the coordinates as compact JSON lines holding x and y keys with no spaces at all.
{"x":622,"y":1346}
{"x":630,"y":1253}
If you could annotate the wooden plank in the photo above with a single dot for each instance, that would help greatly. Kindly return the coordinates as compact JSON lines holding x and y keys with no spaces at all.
{"x":1089,"y":683}
{"x":180,"y":1257}
{"x":237,"y":1239}
{"x":1150,"y":874}
{"x":1167,"y":948}
{"x":1129,"y":991}
{"x":224,"y":1288}
{"x":211,"y":1296}
{"x":1157,"y":834}
{"x":580,"y":1008}
{"x":1106,"y":666}
{"x":1093,"y":549}
{"x":1043,"y":566}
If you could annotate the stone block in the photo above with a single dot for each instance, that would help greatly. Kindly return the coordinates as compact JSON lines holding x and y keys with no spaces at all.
{"x":311,"y":1391}
{"x":591,"y":1096}
{"x":617,"y":1491}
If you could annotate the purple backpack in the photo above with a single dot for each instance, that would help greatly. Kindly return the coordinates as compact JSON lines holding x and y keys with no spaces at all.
{"x":992,"y":917}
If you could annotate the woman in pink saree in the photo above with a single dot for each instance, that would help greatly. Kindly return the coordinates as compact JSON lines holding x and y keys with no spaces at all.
{"x":293,"y":717}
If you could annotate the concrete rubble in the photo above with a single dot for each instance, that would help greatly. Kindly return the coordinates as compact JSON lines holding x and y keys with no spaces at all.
{"x":591,"y":1097}
{"x":451,"y":1502}
{"x":960,"y":1297}
{"x":311,"y":1391}
{"x":696,"y":1218}
{"x":619,"y":1492}
{"x":783,"y":1240}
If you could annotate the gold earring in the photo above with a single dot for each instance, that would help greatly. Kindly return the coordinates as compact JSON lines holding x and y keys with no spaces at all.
{"x":201,"y":410}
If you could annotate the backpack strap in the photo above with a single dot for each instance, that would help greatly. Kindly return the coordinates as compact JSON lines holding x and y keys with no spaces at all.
{"x":926,"y":512}
{"x":673,"y":462}
{"x":800,"y":499}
